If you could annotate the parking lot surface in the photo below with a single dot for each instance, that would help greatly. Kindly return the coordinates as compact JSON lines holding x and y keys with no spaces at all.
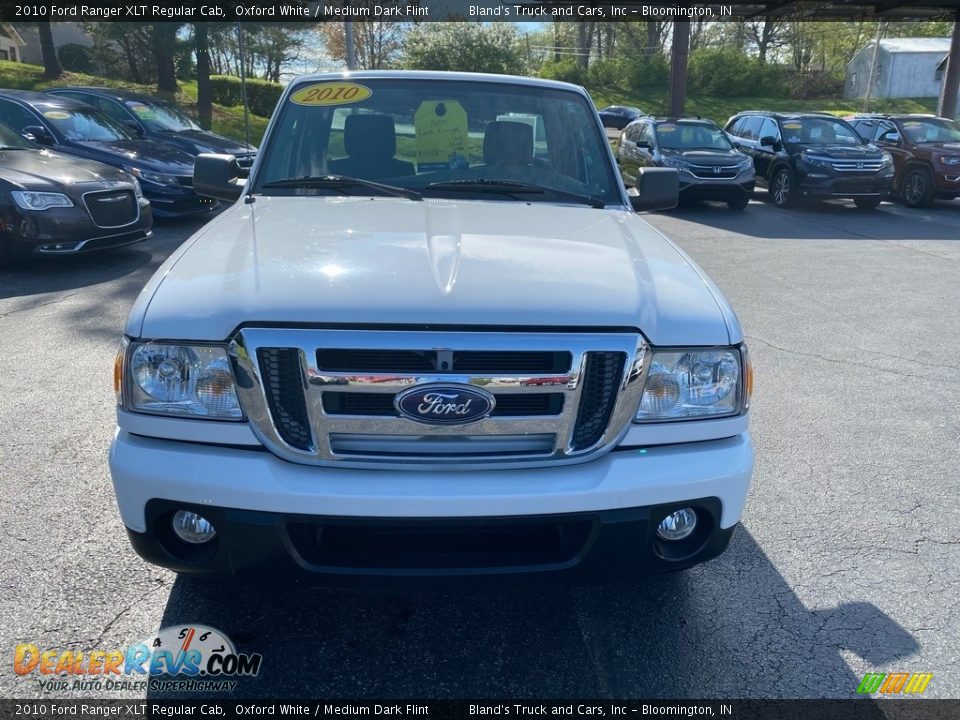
{"x":848,"y":559}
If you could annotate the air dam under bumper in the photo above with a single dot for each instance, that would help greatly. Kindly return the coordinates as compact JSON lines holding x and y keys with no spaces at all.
{"x":572,"y":523}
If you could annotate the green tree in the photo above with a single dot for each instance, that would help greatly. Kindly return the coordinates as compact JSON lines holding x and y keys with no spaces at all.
{"x":465,"y":46}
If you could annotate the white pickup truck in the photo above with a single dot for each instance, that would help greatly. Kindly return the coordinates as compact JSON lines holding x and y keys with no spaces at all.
{"x":431,"y":341}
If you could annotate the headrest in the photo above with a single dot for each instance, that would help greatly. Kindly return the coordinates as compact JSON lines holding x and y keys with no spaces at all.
{"x":508,"y":142}
{"x":369,"y":136}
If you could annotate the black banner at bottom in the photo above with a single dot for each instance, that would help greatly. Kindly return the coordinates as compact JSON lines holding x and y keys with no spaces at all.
{"x":860,"y":709}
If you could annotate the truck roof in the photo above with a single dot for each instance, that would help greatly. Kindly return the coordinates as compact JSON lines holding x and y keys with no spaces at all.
{"x":438,"y":75}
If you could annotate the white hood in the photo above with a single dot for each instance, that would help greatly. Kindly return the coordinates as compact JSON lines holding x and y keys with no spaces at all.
{"x":360,"y":261}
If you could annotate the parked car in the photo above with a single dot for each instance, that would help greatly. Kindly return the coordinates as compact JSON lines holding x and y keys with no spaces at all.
{"x":925,"y":150}
{"x":52,"y":204}
{"x":618,"y":117}
{"x":708,"y":165}
{"x":158,"y":120}
{"x":812,"y":154}
{"x":383,"y":337}
{"x":74,"y":128}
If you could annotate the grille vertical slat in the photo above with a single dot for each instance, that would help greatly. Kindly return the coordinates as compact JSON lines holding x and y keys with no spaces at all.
{"x":602,"y":376}
{"x":283,"y":384}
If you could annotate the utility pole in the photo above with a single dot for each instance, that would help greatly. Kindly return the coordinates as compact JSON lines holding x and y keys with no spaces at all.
{"x":951,"y":78}
{"x":873,"y":69}
{"x":351,"y":48}
{"x":678,"y":67}
{"x":243,"y":84}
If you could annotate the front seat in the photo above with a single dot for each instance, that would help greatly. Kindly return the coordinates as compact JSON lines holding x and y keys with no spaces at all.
{"x":371,"y":143}
{"x":508,"y":143}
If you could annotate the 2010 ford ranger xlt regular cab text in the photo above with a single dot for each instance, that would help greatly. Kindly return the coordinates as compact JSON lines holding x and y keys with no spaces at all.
{"x":432,"y":340}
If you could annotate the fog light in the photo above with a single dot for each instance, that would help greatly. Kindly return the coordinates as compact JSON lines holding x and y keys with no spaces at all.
{"x":192,"y":528}
{"x":678,"y":525}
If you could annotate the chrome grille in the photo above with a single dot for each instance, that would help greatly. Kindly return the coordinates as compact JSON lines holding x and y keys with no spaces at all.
{"x":861,"y":166}
{"x":717,"y":172}
{"x":112,"y":208}
{"x":307,"y":412}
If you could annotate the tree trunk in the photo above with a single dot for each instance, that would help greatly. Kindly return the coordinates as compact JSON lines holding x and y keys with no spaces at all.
{"x":204,"y":94}
{"x":51,"y":65}
{"x":164,"y":40}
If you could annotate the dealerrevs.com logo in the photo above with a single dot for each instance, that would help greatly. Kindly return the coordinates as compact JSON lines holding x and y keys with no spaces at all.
{"x":183,"y":658}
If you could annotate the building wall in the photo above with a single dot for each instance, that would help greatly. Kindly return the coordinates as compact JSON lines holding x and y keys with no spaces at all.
{"x":914,"y":75}
{"x":64,"y":33}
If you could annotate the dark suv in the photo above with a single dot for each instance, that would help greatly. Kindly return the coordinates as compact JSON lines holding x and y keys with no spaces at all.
{"x":708,"y":166}
{"x":926,"y":154}
{"x":812,"y":154}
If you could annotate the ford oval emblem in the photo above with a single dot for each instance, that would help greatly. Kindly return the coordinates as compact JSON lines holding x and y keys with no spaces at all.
{"x":440,"y":404}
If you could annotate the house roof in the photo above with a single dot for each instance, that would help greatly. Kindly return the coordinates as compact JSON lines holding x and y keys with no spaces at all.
{"x":915,"y":45}
{"x":9,"y":31}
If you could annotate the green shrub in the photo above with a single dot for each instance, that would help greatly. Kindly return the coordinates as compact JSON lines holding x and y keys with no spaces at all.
{"x":262,"y":96}
{"x":76,"y":58}
{"x":605,"y":73}
{"x":728,"y":73}
{"x":813,"y":85}
{"x":566,"y":69}
{"x":645,"y":72}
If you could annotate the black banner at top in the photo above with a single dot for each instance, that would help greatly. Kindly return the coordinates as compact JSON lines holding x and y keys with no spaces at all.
{"x":446,"y":10}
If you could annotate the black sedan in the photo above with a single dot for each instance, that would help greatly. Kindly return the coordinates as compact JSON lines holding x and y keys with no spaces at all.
{"x":158,"y":120}
{"x":617,"y":117}
{"x":73,"y":128}
{"x":52,"y":204}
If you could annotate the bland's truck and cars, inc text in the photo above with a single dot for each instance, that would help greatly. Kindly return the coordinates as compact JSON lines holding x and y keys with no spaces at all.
{"x":431,"y":341}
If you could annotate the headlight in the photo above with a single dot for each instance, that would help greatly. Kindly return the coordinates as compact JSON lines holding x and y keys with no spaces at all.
{"x":182,"y":380}
{"x":137,"y":190}
{"x":674,"y":163}
{"x":745,"y":163}
{"x":693,"y":384}
{"x":40,"y":200}
{"x":888,"y":160}
{"x":815,"y":161}
{"x":153,"y":177}
{"x":951,"y":160}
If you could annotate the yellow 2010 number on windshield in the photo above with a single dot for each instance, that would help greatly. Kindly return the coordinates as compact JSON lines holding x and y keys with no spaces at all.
{"x":331,"y":93}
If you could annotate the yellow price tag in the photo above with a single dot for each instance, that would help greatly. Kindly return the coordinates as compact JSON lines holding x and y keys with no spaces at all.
{"x":57,"y":115}
{"x":441,"y":131}
{"x":331,"y":93}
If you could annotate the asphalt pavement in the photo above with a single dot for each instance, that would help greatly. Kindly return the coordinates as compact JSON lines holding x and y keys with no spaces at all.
{"x":848,"y":560}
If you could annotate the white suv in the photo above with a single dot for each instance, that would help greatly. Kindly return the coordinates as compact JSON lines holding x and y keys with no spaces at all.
{"x":432,"y":340}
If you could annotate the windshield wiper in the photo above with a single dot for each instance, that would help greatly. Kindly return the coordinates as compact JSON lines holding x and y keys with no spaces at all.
{"x":339,"y":182}
{"x":510,"y":187}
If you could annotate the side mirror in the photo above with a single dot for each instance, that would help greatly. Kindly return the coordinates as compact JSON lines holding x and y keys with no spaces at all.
{"x":769,"y":141}
{"x":656,"y":189}
{"x":891,"y":137}
{"x":217,"y":176}
{"x":134,"y":127}
{"x":37,"y":134}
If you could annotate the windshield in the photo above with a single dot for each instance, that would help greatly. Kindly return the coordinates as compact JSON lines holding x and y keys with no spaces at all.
{"x":691,"y":136}
{"x":161,"y":116}
{"x":86,"y":125}
{"x":931,"y":130}
{"x":426,"y":135}
{"x":819,"y":131}
{"x":11,"y":140}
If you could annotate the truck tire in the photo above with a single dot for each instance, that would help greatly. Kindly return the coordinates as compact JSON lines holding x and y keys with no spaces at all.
{"x":781,"y":188}
{"x":917,"y":188}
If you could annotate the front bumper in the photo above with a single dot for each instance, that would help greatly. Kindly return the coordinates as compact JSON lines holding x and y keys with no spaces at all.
{"x":68,"y":231}
{"x":177,"y":201}
{"x":271,"y":515}
{"x":817,"y":184}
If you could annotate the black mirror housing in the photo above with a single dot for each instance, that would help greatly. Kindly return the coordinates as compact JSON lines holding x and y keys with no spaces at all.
{"x":656,"y":189}
{"x":768,"y":140}
{"x":217,"y":176}
{"x":37,"y":134}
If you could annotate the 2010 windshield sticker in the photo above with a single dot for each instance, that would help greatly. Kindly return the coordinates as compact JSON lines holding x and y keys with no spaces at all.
{"x":57,"y":115}
{"x":331,"y":93}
